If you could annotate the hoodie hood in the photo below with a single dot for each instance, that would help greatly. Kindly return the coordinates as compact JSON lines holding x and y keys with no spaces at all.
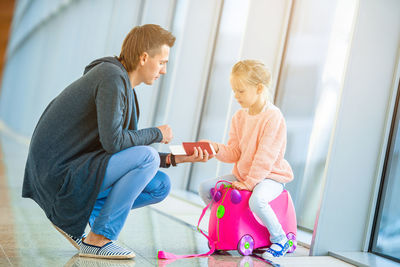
{"x":112,"y":60}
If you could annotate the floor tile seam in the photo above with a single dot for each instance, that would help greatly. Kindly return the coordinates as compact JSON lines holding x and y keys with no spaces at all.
{"x":137,"y":253}
{"x":193,"y":227}
{"x":6,"y":206}
{"x":171,"y":217}
{"x":143,"y":257}
{"x":4,"y":252}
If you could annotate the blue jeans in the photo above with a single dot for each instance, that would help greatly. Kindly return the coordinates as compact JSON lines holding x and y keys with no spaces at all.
{"x":263,"y":193}
{"x":131,"y":181}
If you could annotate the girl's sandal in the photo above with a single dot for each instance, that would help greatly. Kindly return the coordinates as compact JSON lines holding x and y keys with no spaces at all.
{"x":272,"y":253}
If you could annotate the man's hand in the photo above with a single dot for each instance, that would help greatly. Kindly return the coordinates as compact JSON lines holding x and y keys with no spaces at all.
{"x":239,"y":186}
{"x":166,"y":133}
{"x":198,"y":156}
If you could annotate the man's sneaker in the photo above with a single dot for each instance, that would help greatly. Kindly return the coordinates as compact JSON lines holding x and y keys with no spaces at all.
{"x":75,"y":241}
{"x":109,"y":251}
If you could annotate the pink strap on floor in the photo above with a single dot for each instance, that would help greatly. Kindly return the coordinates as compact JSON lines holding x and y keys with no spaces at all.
{"x":170,"y":256}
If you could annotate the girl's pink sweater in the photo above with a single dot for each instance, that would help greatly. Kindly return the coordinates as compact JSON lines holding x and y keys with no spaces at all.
{"x":257,"y":145}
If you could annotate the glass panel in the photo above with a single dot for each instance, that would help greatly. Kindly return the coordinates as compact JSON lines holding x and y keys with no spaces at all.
{"x":148,"y":97}
{"x":181,"y":93}
{"x":387,"y":233}
{"x":56,"y":52}
{"x":214,"y":115}
{"x":310,"y":83}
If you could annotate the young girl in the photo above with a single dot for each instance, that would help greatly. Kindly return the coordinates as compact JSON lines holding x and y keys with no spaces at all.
{"x":257,"y":143}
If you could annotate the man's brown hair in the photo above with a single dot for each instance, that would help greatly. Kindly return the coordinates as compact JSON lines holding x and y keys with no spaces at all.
{"x":146,"y":38}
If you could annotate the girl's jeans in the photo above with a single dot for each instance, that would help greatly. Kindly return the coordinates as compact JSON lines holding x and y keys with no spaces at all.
{"x":263,"y":193}
{"x":131,"y":181}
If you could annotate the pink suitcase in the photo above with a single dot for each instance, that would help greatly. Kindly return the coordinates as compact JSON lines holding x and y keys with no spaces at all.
{"x":233,"y":225}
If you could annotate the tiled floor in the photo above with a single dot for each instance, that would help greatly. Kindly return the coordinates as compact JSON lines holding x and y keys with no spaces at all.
{"x":28,"y":239}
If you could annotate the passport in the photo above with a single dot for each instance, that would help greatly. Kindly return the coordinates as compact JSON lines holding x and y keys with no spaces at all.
{"x":187,"y":148}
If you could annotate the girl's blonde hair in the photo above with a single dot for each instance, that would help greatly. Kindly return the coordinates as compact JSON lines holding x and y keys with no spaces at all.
{"x":253,"y":72}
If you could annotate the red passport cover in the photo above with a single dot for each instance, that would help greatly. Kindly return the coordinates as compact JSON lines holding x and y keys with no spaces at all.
{"x":189,"y":147}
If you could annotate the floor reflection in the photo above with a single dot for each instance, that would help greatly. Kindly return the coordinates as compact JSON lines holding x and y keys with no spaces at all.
{"x":222,"y":261}
{"x":218,"y":260}
{"x":77,"y":261}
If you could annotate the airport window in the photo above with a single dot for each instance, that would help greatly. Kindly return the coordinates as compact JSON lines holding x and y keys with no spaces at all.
{"x":308,"y":91}
{"x":386,"y":240}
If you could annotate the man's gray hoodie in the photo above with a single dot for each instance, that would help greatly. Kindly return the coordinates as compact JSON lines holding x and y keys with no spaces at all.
{"x":89,"y":121}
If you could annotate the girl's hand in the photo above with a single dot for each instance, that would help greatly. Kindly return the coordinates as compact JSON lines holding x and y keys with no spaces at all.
{"x":215,"y":145}
{"x":239,"y":186}
{"x":198,"y":156}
